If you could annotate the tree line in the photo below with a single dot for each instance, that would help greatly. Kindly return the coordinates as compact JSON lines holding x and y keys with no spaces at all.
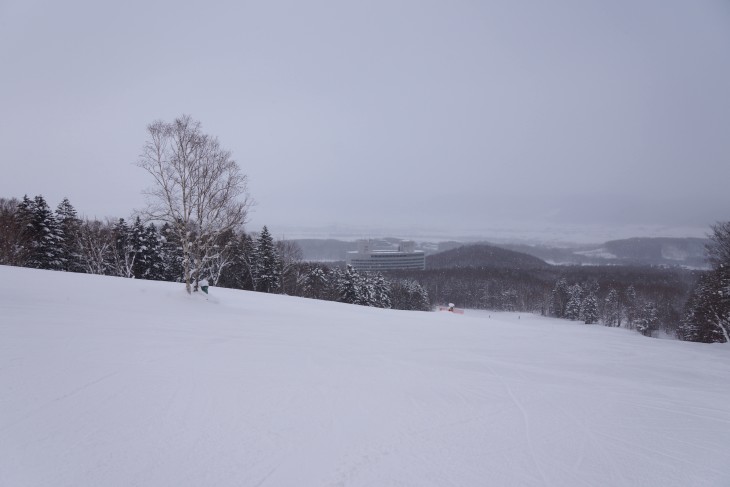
{"x":689,"y":304}
{"x":707,"y":312}
{"x":33,"y":235}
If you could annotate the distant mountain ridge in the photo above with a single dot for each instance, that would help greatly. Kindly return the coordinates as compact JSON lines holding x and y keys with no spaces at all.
{"x":686,"y":252}
{"x":663,"y":251}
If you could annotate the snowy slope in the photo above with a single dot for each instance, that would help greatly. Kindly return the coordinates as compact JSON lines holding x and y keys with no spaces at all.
{"x":115,"y":382}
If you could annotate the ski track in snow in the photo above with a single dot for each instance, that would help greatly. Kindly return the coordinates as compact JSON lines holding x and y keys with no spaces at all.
{"x":526,"y":420}
{"x":115,"y":382}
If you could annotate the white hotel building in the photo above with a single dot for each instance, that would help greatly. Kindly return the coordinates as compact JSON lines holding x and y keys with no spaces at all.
{"x":367,"y":259}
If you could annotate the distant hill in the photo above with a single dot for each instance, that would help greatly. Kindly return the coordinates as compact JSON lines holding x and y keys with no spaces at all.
{"x":663,"y":251}
{"x":679,"y":252}
{"x":482,"y":255}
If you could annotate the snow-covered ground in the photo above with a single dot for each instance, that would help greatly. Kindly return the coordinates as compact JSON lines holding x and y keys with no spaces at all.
{"x":115,"y":382}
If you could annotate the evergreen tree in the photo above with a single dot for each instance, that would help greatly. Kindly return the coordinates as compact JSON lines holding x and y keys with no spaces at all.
{"x":706,"y":319}
{"x":25,"y":211}
{"x":315,"y":283}
{"x":612,"y":309}
{"x":138,"y":249}
{"x":45,"y":236}
{"x":423,"y":303}
{"x":23,"y":223}
{"x":646,"y":320}
{"x":172,"y":254}
{"x":381,"y":292}
{"x":70,"y":226}
{"x":409,"y":295}
{"x":334,"y":284}
{"x":245,"y":260}
{"x":152,"y":254}
{"x":718,"y":250}
{"x":688,"y":328}
{"x":350,"y":290}
{"x":559,"y":299}
{"x":267,"y":268}
{"x":713,"y":294}
{"x":589,"y":309}
{"x":631,"y":307}
{"x":366,"y":289}
{"x":573,"y":307}
{"x":120,"y":233}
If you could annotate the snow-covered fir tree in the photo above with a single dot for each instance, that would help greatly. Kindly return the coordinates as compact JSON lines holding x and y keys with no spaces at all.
{"x":334,"y":284}
{"x":267,"y":268}
{"x":589,"y":309}
{"x":315,"y":283}
{"x":646,"y":320}
{"x":24,"y":244}
{"x":153,"y":266}
{"x":421,"y":303}
{"x":706,"y":312}
{"x":366,"y":289}
{"x":44,"y":235}
{"x":408,"y":294}
{"x":631,"y":307}
{"x":350,"y":290}
{"x":172,"y":254}
{"x":381,"y":292}
{"x":559,"y":299}
{"x":242,"y":272}
{"x":138,"y":248}
{"x":70,"y":226}
{"x":573,"y":307}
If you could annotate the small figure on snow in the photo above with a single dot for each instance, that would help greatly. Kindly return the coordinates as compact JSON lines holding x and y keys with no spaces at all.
{"x":204,"y":285}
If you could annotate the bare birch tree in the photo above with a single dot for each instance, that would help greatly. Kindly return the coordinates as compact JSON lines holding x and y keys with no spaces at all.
{"x":199,"y":190}
{"x":96,"y":246}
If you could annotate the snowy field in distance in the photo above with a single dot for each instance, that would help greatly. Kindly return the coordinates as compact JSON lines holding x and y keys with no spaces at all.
{"x":116,"y":382}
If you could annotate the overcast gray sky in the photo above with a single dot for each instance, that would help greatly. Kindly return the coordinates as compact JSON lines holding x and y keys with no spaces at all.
{"x":451,"y":115}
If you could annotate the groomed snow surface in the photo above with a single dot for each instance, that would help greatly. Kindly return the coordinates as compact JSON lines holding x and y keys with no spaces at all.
{"x":115,"y":382}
